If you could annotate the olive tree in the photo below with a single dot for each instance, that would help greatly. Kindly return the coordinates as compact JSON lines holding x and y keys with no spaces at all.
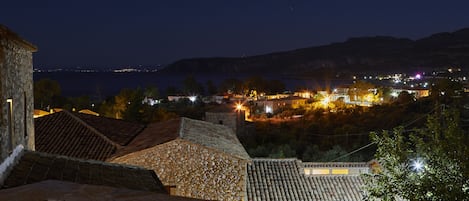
{"x":422,"y":164}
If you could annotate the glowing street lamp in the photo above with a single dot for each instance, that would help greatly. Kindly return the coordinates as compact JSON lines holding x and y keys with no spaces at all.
{"x":239,"y":106}
{"x":325,"y":102}
{"x":192,"y":98}
{"x":417,"y":165}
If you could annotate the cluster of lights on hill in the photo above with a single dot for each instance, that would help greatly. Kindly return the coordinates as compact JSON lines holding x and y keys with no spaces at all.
{"x":92,"y":70}
{"x":417,"y":80}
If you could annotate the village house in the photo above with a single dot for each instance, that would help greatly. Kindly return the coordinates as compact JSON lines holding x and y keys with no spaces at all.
{"x":416,"y":92}
{"x":273,"y":105}
{"x":172,"y":149}
{"x":227,"y":115}
{"x":192,"y":158}
{"x":16,"y":92}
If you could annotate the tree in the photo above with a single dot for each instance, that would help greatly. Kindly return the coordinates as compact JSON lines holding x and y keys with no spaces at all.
{"x":425,"y":164}
{"x":446,"y":91}
{"x":405,"y":97}
{"x":359,"y":90}
{"x":231,"y":85}
{"x":126,"y":105}
{"x":255,"y":83}
{"x":44,"y":92}
{"x":151,"y":92}
{"x":274,"y":86}
{"x":191,"y":86}
{"x":211,"y":88}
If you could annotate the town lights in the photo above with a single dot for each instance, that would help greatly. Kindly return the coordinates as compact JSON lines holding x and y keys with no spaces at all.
{"x":325,"y":101}
{"x":193,"y":98}
{"x":239,"y":106}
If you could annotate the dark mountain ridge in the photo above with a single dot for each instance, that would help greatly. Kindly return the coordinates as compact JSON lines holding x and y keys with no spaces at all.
{"x":361,"y":54}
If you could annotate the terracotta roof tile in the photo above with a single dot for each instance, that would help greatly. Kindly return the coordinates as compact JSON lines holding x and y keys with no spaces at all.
{"x":36,"y":167}
{"x":119,"y":131}
{"x":64,"y":134}
{"x":61,"y":190}
{"x":154,"y":134}
{"x":283,"y":179}
{"x":8,"y":34}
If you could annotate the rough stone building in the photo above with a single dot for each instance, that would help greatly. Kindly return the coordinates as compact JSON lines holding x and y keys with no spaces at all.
{"x":227,"y":115}
{"x":192,"y":158}
{"x":16,"y":92}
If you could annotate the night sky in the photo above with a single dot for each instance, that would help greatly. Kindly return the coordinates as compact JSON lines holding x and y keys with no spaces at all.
{"x":103,"y":34}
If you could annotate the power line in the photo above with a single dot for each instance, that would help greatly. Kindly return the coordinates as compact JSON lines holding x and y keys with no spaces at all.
{"x":363,"y":147}
{"x":352,"y":152}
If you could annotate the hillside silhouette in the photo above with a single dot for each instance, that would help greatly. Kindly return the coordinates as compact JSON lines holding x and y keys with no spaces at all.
{"x":362,"y":54}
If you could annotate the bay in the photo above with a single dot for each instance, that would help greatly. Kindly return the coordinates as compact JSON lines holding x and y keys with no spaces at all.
{"x":103,"y":84}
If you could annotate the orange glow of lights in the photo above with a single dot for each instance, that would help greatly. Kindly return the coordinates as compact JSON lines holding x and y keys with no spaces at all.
{"x":325,"y":102}
{"x":239,"y":106}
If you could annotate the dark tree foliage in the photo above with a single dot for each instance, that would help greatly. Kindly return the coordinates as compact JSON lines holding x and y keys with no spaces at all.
{"x":192,"y":87}
{"x":424,"y":164}
{"x":324,"y":136}
{"x":231,"y":85}
{"x":45,"y":92}
{"x":211,"y":88}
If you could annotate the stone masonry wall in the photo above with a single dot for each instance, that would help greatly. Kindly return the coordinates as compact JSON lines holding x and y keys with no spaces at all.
{"x":196,"y":171}
{"x":16,"y":75}
{"x":233,"y":120}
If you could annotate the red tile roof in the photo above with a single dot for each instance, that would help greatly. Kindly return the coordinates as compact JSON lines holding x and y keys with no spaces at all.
{"x":82,"y":135}
{"x":65,"y":134}
{"x":35,"y":167}
{"x":154,"y":134}
{"x":119,"y":131}
{"x":62,"y":190}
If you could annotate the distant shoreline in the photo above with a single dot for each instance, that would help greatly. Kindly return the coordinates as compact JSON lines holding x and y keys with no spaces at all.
{"x":99,"y":85}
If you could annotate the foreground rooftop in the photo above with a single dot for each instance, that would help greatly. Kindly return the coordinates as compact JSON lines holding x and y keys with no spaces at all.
{"x":285,"y":179}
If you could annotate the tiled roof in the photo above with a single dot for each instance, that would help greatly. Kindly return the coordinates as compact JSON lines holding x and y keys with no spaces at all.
{"x":283,"y":179}
{"x":8,"y":34}
{"x":65,"y":134}
{"x":119,"y":131}
{"x":60,"y":190}
{"x":335,"y":164}
{"x":154,"y":134}
{"x":210,"y":135}
{"x":83,"y":135}
{"x":36,"y":167}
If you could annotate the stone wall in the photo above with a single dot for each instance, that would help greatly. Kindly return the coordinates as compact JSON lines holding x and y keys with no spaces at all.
{"x":233,"y":120}
{"x":196,"y":171}
{"x":16,"y":84}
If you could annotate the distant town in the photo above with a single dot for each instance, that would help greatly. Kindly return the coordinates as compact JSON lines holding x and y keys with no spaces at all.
{"x":140,"y":69}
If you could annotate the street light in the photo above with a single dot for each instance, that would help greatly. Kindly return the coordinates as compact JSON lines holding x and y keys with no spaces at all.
{"x":239,"y":106}
{"x":417,"y":165}
{"x":325,"y":101}
{"x":192,"y":98}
